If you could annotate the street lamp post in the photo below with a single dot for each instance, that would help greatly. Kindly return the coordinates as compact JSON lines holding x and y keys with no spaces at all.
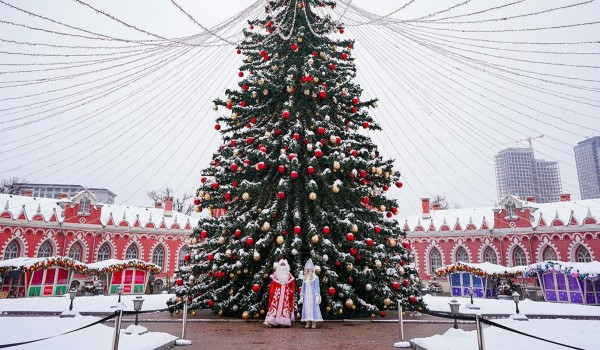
{"x":454,"y":306}
{"x":120,"y":291}
{"x":137,"y":306}
{"x":72,"y":294}
{"x":516,"y":296}
{"x":471,"y":294}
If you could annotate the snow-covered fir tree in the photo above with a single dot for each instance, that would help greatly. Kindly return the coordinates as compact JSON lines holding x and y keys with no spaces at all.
{"x":298,"y":179}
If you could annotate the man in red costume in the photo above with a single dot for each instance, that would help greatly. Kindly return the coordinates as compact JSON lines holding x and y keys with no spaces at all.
{"x":281,"y":296}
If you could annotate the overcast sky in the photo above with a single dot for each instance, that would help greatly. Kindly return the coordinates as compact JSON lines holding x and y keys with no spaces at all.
{"x":145,"y":121}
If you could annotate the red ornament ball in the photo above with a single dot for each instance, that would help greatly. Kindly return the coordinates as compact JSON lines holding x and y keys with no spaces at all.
{"x":332,"y":66}
{"x":377,"y":229}
{"x":322,"y":94}
{"x":294,"y":175}
{"x":412,"y":299}
{"x":260,"y":166}
{"x":250,"y":140}
{"x":321,"y":130}
{"x":294,"y":47}
{"x":382,"y":313}
{"x":263,"y":53}
{"x":366,"y":125}
{"x":203,"y":234}
{"x":406,"y":245}
{"x":389,"y":215}
{"x":217,"y":127}
{"x":369,"y":242}
{"x":353,"y":251}
{"x":310,"y":170}
{"x":253,"y":120}
{"x":350,"y":236}
{"x":341,"y":30}
{"x":399,"y":184}
{"x":296,"y":136}
{"x":186,"y":257}
{"x":211,"y":303}
{"x":215,"y":186}
{"x":269,"y":24}
{"x":337,"y":263}
{"x":354,"y":109}
{"x":366,"y":200}
{"x":331,"y":291}
{"x":281,"y":195}
{"x":233,"y":167}
{"x":318,"y":153}
{"x":395,"y":285}
{"x":245,"y":87}
{"x":241,"y":74}
{"x":394,"y":210}
{"x":314,"y":53}
{"x":285,"y":114}
{"x":203,"y":180}
{"x":210,"y":257}
{"x":326,"y":230}
{"x":249,"y":241}
{"x":281,"y":169}
{"x":255,"y":288}
{"x":297,"y":230}
{"x":238,"y":233}
{"x":179,"y":281}
{"x":406,"y":283}
{"x":196,"y":201}
{"x":344,"y":56}
{"x":355,"y":100}
{"x":239,"y":51}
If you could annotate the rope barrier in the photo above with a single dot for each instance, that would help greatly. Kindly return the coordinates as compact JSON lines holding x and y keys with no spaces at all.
{"x":491,"y":323}
{"x":4,"y":346}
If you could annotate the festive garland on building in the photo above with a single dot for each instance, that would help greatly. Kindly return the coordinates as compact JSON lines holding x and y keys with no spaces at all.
{"x":461,"y":267}
{"x":53,"y":261}
{"x":128,"y":264}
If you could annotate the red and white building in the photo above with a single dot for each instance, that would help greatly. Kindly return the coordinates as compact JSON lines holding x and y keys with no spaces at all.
{"x":86,"y":230}
{"x":516,"y":232}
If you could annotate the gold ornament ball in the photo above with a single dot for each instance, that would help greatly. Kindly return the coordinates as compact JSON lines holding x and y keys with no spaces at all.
{"x":314,"y":239}
{"x":194,"y":240}
{"x":193,"y":312}
{"x":392,"y":242}
{"x":401,"y":270}
{"x":245,"y":315}
{"x":266,"y":226}
{"x":386,"y":175}
{"x":349,"y":267}
{"x":220,"y":313}
{"x":262,"y":311}
{"x":177,"y":312}
{"x":198,"y":209}
{"x":349,"y":303}
{"x":280,"y":240}
{"x":328,"y":309}
{"x":256,"y":315}
{"x":387,"y":301}
{"x":353,"y":307}
{"x":261,"y":82}
{"x":340,"y":312}
{"x":201,"y":194}
{"x":336,"y":165}
{"x":265,"y":92}
{"x":207,"y":197}
{"x":312,"y":196}
{"x":228,"y":253}
{"x":332,"y":138}
{"x":373,"y":170}
{"x":239,"y":272}
{"x":335,"y":189}
{"x":229,"y":100}
{"x":232,"y":275}
{"x":378,"y":264}
{"x":297,"y":315}
{"x":379,"y":171}
{"x":179,"y":299}
{"x":382,"y":208}
{"x":354,"y":228}
{"x":245,"y":196}
{"x":299,"y":39}
{"x":221,"y":240}
{"x":373,"y":315}
{"x":254,"y":94}
{"x":256,"y":256}
{"x":234,"y":116}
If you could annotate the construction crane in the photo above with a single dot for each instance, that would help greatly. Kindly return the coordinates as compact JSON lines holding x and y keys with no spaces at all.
{"x":529,"y":139}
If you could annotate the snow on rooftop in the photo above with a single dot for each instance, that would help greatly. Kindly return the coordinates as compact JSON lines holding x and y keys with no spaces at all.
{"x":482,"y":269}
{"x":460,"y":219}
{"x":589,"y":270}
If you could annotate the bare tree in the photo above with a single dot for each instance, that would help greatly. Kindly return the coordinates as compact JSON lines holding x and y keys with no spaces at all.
{"x":181,"y":204}
{"x":13,"y":185}
{"x":441,"y":200}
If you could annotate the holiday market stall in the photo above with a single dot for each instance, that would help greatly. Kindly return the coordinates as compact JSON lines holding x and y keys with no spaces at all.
{"x":484,"y":278}
{"x":132,"y":275}
{"x":568,"y":282}
{"x":38,"y":276}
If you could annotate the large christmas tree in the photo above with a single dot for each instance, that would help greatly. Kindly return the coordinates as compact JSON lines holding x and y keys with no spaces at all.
{"x":297,"y":179}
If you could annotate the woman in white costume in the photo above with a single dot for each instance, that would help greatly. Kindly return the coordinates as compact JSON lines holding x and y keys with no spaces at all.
{"x":310,"y":296}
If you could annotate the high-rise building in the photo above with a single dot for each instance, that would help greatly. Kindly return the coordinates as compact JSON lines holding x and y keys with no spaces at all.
{"x":587,"y":158}
{"x":54,"y":191}
{"x":519,"y":173}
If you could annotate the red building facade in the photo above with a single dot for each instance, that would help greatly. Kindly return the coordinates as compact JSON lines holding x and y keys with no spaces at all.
{"x":89,"y":231}
{"x":516,"y":232}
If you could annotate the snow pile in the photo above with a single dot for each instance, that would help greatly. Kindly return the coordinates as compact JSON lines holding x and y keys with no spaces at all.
{"x":98,"y":303}
{"x":98,"y":337}
{"x":574,"y":333}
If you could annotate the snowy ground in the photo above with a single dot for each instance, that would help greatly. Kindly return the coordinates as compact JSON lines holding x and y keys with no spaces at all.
{"x":494,"y":306}
{"x":97,"y":303}
{"x":98,"y":337}
{"x":582,"y":334}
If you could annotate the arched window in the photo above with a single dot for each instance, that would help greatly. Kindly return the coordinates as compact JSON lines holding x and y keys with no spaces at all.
{"x":12,"y":251}
{"x":84,"y":206}
{"x":549,"y":254}
{"x":75,"y":251}
{"x":104,"y":252}
{"x":489,"y":255}
{"x":511,"y":209}
{"x":435,"y":260}
{"x":462,"y":255}
{"x":45,"y":250}
{"x":519,"y":257}
{"x":158,"y":257}
{"x":182,"y":252}
{"x":582,"y":254}
{"x":132,"y":252}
